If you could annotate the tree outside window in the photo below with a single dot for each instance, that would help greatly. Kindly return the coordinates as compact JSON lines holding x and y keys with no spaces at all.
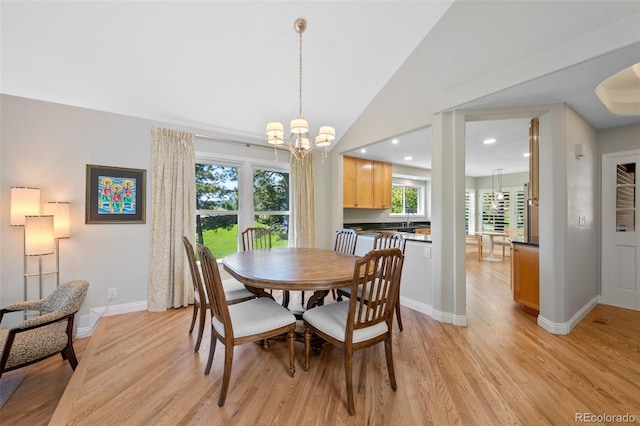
{"x":221,"y":214}
{"x":405,"y":199}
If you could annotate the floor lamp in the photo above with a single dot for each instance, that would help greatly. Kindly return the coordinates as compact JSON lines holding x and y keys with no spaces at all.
{"x":60,"y":212}
{"x":38,"y":240}
{"x":25,"y":201}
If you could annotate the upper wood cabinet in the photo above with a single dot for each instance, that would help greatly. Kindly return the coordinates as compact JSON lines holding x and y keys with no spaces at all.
{"x":366,"y":184}
{"x":381,"y":185}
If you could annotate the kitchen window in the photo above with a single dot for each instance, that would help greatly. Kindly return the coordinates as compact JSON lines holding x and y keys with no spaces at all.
{"x":407,"y":198}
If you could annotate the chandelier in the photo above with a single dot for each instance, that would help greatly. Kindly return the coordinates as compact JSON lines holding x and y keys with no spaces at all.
{"x":498,"y":195}
{"x":299,"y":142}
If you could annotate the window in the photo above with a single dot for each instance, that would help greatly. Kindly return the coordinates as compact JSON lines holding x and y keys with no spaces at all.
{"x":217,"y":194}
{"x":503,"y":215}
{"x":469,"y":212}
{"x":271,"y":203}
{"x":407,"y":199}
{"x":227,"y":203}
{"x":625,"y":197}
{"x":495,"y":212}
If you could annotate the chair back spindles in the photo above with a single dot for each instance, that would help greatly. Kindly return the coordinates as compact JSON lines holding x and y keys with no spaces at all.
{"x":213,"y":284}
{"x":256,"y":239}
{"x":345,"y":241}
{"x":385,"y":240}
{"x":377,"y":275}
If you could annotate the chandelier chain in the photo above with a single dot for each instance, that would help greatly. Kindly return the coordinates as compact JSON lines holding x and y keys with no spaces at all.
{"x":300,"y":77}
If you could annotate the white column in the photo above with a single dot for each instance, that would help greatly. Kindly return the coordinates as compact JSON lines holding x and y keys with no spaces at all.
{"x":447,"y":225}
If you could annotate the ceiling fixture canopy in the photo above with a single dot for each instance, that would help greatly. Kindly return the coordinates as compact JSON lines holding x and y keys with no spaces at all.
{"x":299,"y":141}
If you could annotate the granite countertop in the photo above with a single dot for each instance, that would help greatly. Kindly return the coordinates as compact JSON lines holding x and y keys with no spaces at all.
{"x":521,"y":240}
{"x":409,"y":236}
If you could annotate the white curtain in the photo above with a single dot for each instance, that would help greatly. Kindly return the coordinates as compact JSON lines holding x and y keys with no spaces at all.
{"x":302,"y":230}
{"x":173,"y":206}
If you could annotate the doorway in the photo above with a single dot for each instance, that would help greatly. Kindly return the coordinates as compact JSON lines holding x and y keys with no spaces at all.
{"x":620,"y":233}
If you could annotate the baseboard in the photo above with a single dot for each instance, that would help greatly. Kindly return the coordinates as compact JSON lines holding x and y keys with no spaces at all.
{"x":416,"y":306}
{"x":96,"y":313}
{"x":448,"y":317}
{"x":566,"y":327}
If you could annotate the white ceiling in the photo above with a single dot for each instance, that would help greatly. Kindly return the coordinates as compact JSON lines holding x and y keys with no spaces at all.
{"x":229,"y":67}
{"x":225,"y":66}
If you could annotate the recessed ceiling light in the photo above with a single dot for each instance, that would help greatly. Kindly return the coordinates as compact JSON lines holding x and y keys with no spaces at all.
{"x":363,"y":150}
{"x":489,"y":141}
{"x":395,"y":141}
{"x":408,"y":158}
{"x":526,"y":154}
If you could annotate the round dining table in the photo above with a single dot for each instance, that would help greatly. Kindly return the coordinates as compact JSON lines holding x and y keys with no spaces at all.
{"x":292,"y":268}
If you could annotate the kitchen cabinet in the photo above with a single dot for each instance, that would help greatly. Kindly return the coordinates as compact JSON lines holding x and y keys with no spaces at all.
{"x":381,"y":185}
{"x":525,"y":276}
{"x":366,"y":184}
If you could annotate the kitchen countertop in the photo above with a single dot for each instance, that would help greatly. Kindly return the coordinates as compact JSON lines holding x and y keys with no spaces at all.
{"x":520,"y":240}
{"x":423,"y":238}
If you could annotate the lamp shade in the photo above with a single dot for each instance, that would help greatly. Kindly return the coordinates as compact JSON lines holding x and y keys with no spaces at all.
{"x":60,"y":212}
{"x":299,"y":125}
{"x":38,"y":235}
{"x":24,"y":202}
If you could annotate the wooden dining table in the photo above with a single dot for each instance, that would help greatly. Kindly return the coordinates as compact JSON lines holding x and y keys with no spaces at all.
{"x":292,"y":268}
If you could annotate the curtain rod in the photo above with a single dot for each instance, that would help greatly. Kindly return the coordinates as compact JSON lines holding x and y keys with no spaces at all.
{"x":247,"y":144}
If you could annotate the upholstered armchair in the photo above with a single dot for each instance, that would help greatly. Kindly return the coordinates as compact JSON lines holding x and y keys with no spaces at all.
{"x":50,"y":333}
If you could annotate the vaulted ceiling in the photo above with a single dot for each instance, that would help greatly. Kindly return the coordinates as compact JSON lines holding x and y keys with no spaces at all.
{"x":229,"y":67}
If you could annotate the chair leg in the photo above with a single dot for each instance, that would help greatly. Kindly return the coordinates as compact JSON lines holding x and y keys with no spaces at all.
{"x":388,"y":349}
{"x":292,"y":341}
{"x":212,"y":351}
{"x":307,"y":347}
{"x":398,"y":315}
{"x":69,"y":353}
{"x":193,"y":318}
{"x":348,"y":375}
{"x":228,"y":362}
{"x":203,"y":317}
{"x":302,"y":303}
{"x":333,"y":293}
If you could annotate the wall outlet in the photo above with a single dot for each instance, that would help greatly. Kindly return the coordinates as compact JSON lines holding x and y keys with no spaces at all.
{"x":112,"y":293}
{"x":582,"y":221}
{"x":427,"y":252}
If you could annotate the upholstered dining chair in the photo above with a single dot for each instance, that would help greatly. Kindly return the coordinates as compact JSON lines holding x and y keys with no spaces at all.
{"x":235,"y":292}
{"x":381,"y":241}
{"x":50,"y":333}
{"x":361,"y":322}
{"x":250,"y":321}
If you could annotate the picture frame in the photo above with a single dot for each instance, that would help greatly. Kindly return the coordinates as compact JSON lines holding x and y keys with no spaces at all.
{"x":115,"y":195}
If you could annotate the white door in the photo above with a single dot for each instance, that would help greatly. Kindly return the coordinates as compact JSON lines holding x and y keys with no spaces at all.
{"x":621,"y":230}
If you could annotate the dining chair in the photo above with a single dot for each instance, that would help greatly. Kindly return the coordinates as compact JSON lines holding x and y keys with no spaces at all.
{"x":235,"y":292}
{"x":364,"y":321}
{"x":260,"y":238}
{"x":504,"y":242}
{"x":50,"y":333}
{"x":249,"y":321}
{"x":383,"y":240}
{"x":345,"y":242}
{"x":256,"y":238}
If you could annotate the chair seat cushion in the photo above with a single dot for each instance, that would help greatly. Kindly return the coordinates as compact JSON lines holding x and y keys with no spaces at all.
{"x":35,"y":344}
{"x":256,"y":316}
{"x":332,"y":320}
{"x":235,"y":290}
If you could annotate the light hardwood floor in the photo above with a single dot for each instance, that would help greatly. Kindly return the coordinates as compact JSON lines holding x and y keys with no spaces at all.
{"x":501,"y":369}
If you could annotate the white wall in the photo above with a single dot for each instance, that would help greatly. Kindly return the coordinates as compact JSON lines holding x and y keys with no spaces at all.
{"x":625,"y":138}
{"x":582,"y":256}
{"x":48,"y":146}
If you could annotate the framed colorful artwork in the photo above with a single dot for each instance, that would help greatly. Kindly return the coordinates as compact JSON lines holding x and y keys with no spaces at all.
{"x":115,"y":195}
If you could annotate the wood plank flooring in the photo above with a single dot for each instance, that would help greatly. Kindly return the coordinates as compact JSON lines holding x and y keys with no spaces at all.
{"x":140,"y":369}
